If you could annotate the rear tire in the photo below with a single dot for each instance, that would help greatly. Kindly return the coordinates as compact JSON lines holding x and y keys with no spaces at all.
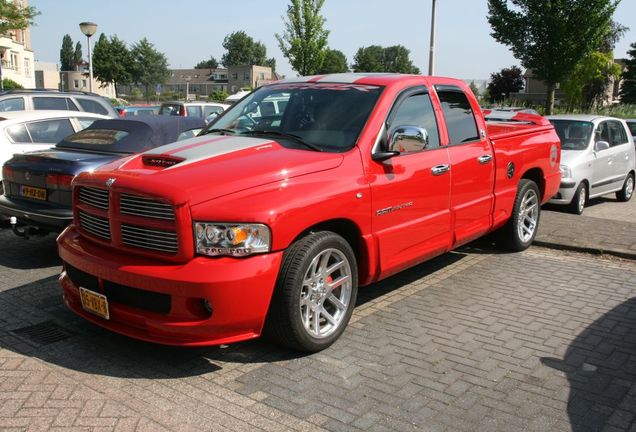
{"x":626,"y":193}
{"x":579,"y":200}
{"x":315,"y":293}
{"x":519,"y":232}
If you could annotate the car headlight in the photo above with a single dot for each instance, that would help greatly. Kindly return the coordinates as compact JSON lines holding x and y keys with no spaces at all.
{"x":217,"y":238}
{"x":566,"y":172}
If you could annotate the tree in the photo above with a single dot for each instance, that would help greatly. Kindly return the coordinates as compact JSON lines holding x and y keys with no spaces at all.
{"x":587,"y":85}
{"x":375,"y":58}
{"x":112,"y":61}
{"x":502,"y":83}
{"x":628,"y":91}
{"x":15,"y":17}
{"x":211,"y":63}
{"x":335,"y":62}
{"x":304,"y":41}
{"x":241,"y":50}
{"x":150,"y":66}
{"x":474,"y":89}
{"x":551,"y":37}
{"x":77,"y":55}
{"x":66,"y":53}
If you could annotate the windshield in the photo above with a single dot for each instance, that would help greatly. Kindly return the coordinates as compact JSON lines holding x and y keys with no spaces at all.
{"x":319,"y":116}
{"x":574,"y":134}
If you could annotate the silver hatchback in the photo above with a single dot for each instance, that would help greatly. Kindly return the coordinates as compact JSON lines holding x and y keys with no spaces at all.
{"x":597,"y":158}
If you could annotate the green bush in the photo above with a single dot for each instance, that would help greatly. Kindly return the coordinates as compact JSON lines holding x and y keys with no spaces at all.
{"x":218,"y":96}
{"x":9,"y":84}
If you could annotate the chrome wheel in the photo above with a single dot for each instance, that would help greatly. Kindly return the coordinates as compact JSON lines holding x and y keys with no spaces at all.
{"x":581,"y":200}
{"x":326,"y":293}
{"x":528,"y":216}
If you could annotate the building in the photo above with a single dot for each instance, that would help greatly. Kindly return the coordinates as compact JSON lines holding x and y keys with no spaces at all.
{"x":17,"y":55}
{"x":201,"y":83}
{"x":78,"y":80}
{"x":47,"y":75}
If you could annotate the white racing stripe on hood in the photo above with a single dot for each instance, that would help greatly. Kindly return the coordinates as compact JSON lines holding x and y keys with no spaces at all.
{"x":216,"y":148}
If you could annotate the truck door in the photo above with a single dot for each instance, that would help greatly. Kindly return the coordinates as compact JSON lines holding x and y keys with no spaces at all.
{"x":472,"y":167}
{"x":410,"y":191}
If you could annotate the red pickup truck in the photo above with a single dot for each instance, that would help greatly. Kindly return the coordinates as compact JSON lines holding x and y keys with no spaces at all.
{"x":301,"y":192}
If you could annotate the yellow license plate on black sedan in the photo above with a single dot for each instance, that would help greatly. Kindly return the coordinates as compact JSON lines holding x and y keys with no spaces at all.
{"x":32,"y":192}
{"x":94,"y":303}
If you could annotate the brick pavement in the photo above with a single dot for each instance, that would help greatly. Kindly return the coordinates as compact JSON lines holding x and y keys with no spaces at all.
{"x":475,"y":340}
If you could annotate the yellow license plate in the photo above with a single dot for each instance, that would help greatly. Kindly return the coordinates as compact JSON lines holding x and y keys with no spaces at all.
{"x":31,"y":192}
{"x":95,"y":303}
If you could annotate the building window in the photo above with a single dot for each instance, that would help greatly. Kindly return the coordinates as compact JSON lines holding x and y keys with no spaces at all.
{"x":83,"y":83}
{"x":76,"y":83}
{"x":235,"y":76}
{"x":27,"y":67}
{"x":261,"y":76}
{"x":246,"y":76}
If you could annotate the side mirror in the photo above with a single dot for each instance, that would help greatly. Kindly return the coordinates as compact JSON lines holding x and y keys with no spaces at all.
{"x":407,"y":139}
{"x":601,"y":145}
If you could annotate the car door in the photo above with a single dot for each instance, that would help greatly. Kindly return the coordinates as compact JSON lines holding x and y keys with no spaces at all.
{"x":604,"y":162}
{"x":472,"y":166}
{"x":410,"y":191}
{"x":622,"y":149}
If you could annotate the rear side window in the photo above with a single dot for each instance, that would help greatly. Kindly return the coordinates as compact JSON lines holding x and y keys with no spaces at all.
{"x":170,"y":109}
{"x":617,"y":133}
{"x":211,"y":110}
{"x":18,"y":133}
{"x":12,"y":104}
{"x":85,"y":122}
{"x":460,"y":119}
{"x":50,"y":131}
{"x":89,"y":105}
{"x":417,"y":110}
{"x":194,"y":111}
{"x":54,"y":103}
{"x":632,"y":128}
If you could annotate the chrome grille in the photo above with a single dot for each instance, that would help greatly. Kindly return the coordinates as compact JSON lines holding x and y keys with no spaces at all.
{"x":164,"y":241}
{"x":145,"y":207}
{"x":94,"y":197}
{"x":95,"y":225}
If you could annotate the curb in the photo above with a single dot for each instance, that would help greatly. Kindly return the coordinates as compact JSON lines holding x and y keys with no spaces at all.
{"x":583,"y":249}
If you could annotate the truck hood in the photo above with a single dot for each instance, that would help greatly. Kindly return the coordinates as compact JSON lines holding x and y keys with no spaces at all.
{"x":204,"y":168}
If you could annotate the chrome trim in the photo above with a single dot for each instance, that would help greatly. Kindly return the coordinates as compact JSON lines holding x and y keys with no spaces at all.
{"x":144,"y":238}
{"x":95,"y":225}
{"x":145,"y":207}
{"x":94,"y":197}
{"x":484,"y":159}
{"x":440,"y":169}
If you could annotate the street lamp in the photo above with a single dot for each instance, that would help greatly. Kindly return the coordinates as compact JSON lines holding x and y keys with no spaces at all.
{"x":431,"y":57}
{"x":89,"y":29}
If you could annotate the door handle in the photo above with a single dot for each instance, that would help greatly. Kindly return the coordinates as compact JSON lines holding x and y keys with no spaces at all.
{"x":440,"y":169}
{"x":484,"y":159}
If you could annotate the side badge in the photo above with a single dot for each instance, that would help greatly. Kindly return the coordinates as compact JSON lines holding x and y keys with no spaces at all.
{"x":510,"y":170}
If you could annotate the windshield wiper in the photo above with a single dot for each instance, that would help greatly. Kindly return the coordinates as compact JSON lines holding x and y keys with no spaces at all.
{"x":293,"y":137}
{"x":221,"y":131}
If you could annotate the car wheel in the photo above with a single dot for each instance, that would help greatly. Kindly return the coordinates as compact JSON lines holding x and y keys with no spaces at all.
{"x":521,"y":228}
{"x":315,"y":292}
{"x":579,"y":200}
{"x":626,"y":193}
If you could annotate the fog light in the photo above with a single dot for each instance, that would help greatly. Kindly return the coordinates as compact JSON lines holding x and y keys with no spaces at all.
{"x":207,"y":307}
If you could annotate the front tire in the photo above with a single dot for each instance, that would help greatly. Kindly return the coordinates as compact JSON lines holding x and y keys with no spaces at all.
{"x":578,"y":200}
{"x":519,"y":232}
{"x":626,"y":193}
{"x":315,"y":293}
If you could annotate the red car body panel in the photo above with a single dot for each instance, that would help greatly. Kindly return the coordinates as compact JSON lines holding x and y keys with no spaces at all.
{"x":293,"y":191}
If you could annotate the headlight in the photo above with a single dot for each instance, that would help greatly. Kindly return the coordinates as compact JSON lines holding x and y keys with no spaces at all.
{"x":217,"y":238}
{"x":566,"y":172}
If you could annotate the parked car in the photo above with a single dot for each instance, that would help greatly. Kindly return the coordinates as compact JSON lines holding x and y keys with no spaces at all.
{"x":274,"y":220}
{"x":137,"y":110}
{"x":205,"y":110}
{"x":38,"y":184}
{"x":597,"y":158}
{"x":35,"y":100}
{"x":23,"y":131}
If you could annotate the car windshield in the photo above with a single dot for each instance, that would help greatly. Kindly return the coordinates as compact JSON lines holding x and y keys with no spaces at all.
{"x":574,"y":134}
{"x":314,"y":116}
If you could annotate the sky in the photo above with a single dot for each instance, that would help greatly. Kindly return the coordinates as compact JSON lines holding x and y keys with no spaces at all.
{"x":189,"y":31}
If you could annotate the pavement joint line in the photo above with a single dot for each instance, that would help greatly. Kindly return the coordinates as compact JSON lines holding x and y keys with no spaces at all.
{"x":585,"y":249}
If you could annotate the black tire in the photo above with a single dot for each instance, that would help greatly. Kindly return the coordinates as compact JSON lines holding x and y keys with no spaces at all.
{"x":509,"y":236}
{"x":626,"y":193}
{"x":577,"y":205}
{"x":284,"y":320}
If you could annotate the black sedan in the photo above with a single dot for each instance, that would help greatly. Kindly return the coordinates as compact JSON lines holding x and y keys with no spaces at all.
{"x":37,"y":185}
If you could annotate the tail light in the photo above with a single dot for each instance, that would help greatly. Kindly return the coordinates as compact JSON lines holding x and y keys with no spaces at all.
{"x":182,"y":111}
{"x":59,"y":181}
{"x":7,"y":172}
{"x":122,"y":112}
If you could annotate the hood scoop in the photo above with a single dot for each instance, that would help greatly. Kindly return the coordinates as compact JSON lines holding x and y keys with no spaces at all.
{"x":160,"y":161}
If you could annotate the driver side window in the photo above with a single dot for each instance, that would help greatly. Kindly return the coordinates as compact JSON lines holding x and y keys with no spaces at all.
{"x":417,"y":110}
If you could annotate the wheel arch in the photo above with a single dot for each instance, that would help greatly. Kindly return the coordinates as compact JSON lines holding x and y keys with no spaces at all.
{"x":536,"y":175}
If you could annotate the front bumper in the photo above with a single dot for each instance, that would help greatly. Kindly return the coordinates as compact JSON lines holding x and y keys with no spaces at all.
{"x":567,"y":189}
{"x":35,"y":214}
{"x":239,"y":291}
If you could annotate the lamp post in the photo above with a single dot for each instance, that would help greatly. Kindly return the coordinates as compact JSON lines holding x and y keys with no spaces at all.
{"x":431,"y":57}
{"x":89,"y":29}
